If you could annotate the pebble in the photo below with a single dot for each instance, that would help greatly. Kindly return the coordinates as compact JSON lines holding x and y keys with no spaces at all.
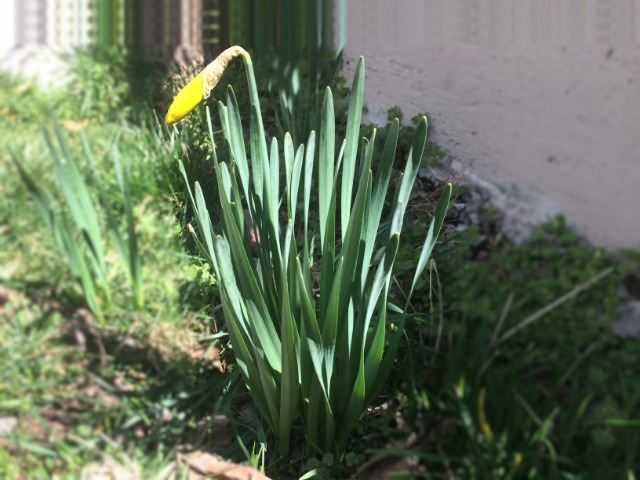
{"x":628,"y":322}
{"x":8,"y":425}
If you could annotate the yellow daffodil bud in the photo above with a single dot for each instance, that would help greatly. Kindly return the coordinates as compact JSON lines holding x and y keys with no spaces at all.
{"x":187,"y":99}
{"x":200,"y":87}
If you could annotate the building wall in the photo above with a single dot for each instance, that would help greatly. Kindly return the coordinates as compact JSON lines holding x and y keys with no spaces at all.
{"x":541,"y":93}
{"x":7,"y":27}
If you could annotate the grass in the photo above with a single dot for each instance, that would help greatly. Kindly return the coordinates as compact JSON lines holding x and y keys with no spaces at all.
{"x":66,"y":365}
{"x":559,"y":399}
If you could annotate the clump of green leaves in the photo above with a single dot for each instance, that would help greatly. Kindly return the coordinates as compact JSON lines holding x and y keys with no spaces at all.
{"x":314,"y":336}
{"x":86,"y":252}
{"x":98,"y":205}
{"x":558,"y":398}
{"x":433,"y":154}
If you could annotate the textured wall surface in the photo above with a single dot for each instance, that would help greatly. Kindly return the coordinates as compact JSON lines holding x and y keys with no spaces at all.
{"x":541,"y":93}
{"x":8,"y":27}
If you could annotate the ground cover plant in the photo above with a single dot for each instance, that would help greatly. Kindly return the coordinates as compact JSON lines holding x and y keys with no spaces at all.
{"x":557,"y":399}
{"x":154,"y":382}
{"x":64,"y":362}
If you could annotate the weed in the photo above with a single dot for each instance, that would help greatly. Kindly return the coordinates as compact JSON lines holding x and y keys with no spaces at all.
{"x":556,"y":399}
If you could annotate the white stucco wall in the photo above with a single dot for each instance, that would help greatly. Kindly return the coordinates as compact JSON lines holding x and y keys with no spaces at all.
{"x":541,"y":93}
{"x":7,"y":26}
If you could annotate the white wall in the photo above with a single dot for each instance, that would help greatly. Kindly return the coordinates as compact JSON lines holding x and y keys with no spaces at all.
{"x":7,"y":26}
{"x":541,"y":93}
{"x":57,"y":24}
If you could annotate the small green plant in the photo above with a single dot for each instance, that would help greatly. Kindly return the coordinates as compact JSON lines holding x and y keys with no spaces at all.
{"x":433,"y":154}
{"x":529,"y":380}
{"x":313,"y":335}
{"x":77,"y":226}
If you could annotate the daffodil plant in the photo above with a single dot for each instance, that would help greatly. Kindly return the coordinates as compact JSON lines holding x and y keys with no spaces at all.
{"x":313,"y":333}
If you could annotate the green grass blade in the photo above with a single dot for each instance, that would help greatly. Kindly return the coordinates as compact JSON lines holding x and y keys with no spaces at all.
{"x":379,"y":290}
{"x":79,"y":265}
{"x":41,"y":198}
{"x":131,"y":256}
{"x":223,"y":113}
{"x":309,"y":328}
{"x":79,"y":200}
{"x":312,"y":336}
{"x":431,"y":238}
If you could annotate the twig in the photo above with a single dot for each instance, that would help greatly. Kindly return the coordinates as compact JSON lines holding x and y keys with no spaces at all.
{"x":528,"y":409}
{"x":503,"y":317}
{"x":556,"y":303}
{"x":441,"y":310}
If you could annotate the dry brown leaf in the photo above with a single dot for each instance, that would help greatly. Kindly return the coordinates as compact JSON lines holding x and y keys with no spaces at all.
{"x":204,"y":463}
{"x":121,"y":383}
{"x":74,"y":126}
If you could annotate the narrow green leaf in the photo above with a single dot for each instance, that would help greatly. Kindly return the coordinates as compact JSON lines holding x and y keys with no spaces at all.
{"x":326,"y":187}
{"x":352,"y":137}
{"x":289,"y":156}
{"x":41,"y":198}
{"x":253,"y":294}
{"x":355,"y":408}
{"x":289,"y":379}
{"x":78,"y":199}
{"x":379,"y":193}
{"x":129,"y":253}
{"x":308,"y":176}
{"x":204,"y":221}
{"x":223,"y":112}
{"x":272,"y":188}
{"x":259,"y":156}
{"x":431,"y":238}
{"x":259,"y":341}
{"x":411,"y":171}
{"x":292,"y":200}
{"x":237,"y":142}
